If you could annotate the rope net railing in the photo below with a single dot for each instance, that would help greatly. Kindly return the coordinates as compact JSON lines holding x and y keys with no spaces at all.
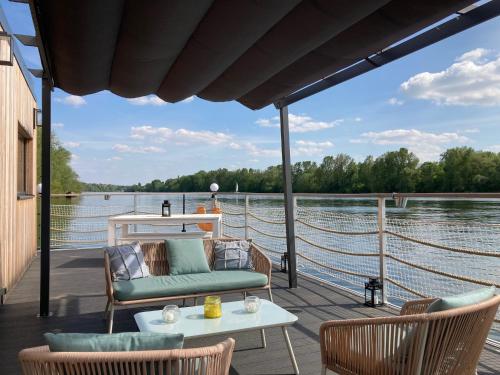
{"x":424,"y":255}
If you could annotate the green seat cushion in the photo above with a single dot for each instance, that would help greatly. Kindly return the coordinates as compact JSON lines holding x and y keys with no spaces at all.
{"x":116,"y":342}
{"x":462,"y":300}
{"x":168,"y":286}
{"x":186,"y":256}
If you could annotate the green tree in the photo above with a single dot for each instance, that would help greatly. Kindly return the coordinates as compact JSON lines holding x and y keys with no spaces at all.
{"x":396,"y":171}
{"x":431,"y":177}
{"x":63,"y":178}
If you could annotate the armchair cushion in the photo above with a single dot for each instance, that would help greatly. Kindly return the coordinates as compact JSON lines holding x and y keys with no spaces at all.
{"x":181,"y":285}
{"x":462,"y":300}
{"x":115,"y":342}
{"x":186,"y":256}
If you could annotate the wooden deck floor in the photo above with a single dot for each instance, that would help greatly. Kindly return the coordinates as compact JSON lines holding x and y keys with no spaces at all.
{"x":77,"y":287}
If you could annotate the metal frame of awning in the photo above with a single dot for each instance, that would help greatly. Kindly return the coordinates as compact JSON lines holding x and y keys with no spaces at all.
{"x":463,"y":21}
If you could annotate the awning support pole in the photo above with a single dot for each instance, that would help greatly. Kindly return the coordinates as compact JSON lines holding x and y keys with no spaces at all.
{"x":45,"y":206}
{"x":287,"y":190}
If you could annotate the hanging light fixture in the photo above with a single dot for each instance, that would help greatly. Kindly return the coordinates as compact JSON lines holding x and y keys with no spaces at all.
{"x":6,"y":52}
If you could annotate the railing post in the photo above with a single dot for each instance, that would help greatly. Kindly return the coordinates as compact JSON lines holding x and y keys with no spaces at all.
{"x":288,"y":197}
{"x":246,"y":216}
{"x":381,"y":244}
{"x":135,"y":210}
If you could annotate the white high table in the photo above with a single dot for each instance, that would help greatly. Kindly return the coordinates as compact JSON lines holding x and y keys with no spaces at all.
{"x":234,"y":319}
{"x":126,"y":220}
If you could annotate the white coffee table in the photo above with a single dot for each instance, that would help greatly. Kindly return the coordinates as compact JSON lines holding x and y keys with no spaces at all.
{"x":234,"y":319}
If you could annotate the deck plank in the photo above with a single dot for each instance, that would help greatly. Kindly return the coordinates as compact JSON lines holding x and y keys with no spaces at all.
{"x":77,"y":302}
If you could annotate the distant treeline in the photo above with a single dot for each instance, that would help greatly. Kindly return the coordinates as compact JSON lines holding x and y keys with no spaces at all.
{"x":459,"y":169}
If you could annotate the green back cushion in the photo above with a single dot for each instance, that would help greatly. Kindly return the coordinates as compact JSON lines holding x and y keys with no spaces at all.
{"x":115,"y":342}
{"x":462,"y":300}
{"x":186,"y":256}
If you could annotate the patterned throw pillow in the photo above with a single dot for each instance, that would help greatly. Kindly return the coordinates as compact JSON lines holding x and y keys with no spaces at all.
{"x":232,"y":255}
{"x":127,"y":262}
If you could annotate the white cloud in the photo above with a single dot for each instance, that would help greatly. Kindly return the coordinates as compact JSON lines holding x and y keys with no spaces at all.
{"x":472,"y":80}
{"x":298,"y":123}
{"x":136,"y":149}
{"x":255,"y":150}
{"x":358,"y":119}
{"x":205,"y":136}
{"x":154,"y":100}
{"x":57,"y":125}
{"x":311,"y":148}
{"x":493,"y":148}
{"x":234,"y":146}
{"x":147,"y":100}
{"x":427,"y":146}
{"x":142,"y":132}
{"x":478,"y":54}
{"x":471,"y":131}
{"x":72,"y":100}
{"x":395,"y":101}
{"x":74,"y":157}
{"x":71,"y":144}
{"x":188,"y":100}
{"x":163,"y":134}
{"x":114,"y":158}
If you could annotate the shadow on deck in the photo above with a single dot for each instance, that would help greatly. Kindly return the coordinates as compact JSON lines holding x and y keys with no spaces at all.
{"x":77,"y":292}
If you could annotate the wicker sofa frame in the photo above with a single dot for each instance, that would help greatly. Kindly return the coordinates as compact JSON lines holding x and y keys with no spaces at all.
{"x":155,"y":257}
{"x":210,"y":360}
{"x":446,"y":343}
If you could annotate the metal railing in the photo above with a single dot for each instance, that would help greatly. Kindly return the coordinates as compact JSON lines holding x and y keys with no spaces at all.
{"x":421,"y":255}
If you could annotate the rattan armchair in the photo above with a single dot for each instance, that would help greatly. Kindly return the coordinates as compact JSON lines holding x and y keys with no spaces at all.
{"x":210,"y":360}
{"x":445,"y":343}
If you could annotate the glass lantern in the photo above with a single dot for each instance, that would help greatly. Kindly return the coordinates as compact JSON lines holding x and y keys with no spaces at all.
{"x":252,"y":304}
{"x":212,"y":307}
{"x":171,"y":314}
{"x":166,"y":208}
{"x":374,"y":292}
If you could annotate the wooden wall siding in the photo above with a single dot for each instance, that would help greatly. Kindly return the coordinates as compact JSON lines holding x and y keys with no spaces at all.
{"x":17,"y":217}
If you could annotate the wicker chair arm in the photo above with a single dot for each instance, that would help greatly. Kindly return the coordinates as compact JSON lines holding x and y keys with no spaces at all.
{"x":416,"y":307}
{"x":261,"y":262}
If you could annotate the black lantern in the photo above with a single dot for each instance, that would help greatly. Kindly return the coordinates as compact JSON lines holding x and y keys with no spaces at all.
{"x":165,"y":208}
{"x":284,"y":260}
{"x":374,"y":292}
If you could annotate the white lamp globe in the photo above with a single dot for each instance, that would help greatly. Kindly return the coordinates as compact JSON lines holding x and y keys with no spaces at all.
{"x":214,"y":187}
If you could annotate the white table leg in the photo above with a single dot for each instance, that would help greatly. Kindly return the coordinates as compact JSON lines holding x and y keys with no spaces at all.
{"x":290,"y":350}
{"x":111,"y":233}
{"x":216,"y":228}
{"x":125,"y":232}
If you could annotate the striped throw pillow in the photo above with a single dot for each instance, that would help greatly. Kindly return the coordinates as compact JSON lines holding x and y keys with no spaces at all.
{"x":127,"y":262}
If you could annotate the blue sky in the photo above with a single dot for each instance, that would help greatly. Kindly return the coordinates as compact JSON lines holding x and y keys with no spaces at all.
{"x":444,"y":96}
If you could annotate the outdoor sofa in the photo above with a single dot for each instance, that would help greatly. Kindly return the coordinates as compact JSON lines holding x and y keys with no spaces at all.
{"x":161,"y":286}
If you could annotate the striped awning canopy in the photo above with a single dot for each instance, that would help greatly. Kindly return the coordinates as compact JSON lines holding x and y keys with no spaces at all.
{"x":252,"y":51}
